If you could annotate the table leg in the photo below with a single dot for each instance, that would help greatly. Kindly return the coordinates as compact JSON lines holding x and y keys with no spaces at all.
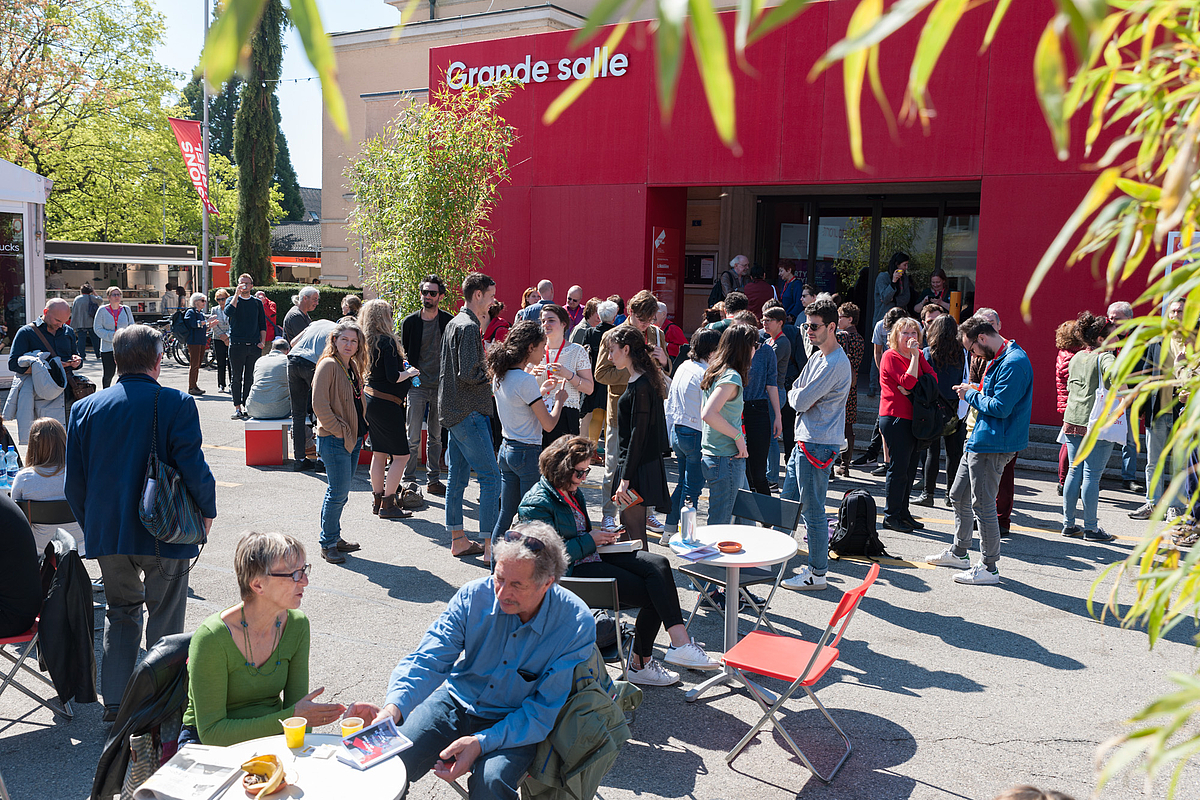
{"x":732,"y":594}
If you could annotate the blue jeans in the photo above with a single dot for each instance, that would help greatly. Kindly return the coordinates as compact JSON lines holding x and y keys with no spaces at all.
{"x":1129,"y":452}
{"x":724,"y":476}
{"x":1084,"y":479}
{"x":1157,"y":433}
{"x":339,"y":471}
{"x":470,"y":448}
{"x":441,"y":719}
{"x":685,"y":442}
{"x":809,"y":485}
{"x":518,"y":474}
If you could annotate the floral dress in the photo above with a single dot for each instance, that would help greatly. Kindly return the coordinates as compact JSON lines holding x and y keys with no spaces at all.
{"x":852,"y":343}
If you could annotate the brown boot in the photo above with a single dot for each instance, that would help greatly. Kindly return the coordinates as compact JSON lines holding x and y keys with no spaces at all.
{"x":389,"y":509}
{"x":378,"y":501}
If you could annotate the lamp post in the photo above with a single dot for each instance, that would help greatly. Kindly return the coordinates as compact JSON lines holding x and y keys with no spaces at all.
{"x":206,"y":274}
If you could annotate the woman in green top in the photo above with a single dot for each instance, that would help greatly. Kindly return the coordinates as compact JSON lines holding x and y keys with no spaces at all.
{"x":722,"y":444}
{"x":248,"y":665}
{"x":1087,"y":372}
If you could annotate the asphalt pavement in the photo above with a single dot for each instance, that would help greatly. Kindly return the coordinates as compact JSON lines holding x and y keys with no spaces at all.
{"x":946,"y":691}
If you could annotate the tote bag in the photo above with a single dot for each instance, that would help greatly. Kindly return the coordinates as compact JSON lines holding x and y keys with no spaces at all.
{"x":1116,"y":431}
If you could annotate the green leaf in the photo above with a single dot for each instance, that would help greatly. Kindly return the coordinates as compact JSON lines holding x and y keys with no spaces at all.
{"x":576,"y":88}
{"x":712,"y":56}
{"x":227,"y":37}
{"x":601,"y":13}
{"x":781,"y":14}
{"x":1050,"y":76}
{"x":994,"y":25}
{"x":854,"y":69}
{"x":897,"y":16}
{"x":936,"y":32}
{"x":668,"y":51}
{"x":307,"y":19}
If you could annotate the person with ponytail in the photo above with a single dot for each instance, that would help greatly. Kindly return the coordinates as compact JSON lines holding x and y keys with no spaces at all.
{"x":641,"y":432}
{"x":722,"y":443}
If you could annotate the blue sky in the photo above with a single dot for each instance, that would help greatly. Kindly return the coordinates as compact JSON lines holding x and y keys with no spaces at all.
{"x":297,"y":100}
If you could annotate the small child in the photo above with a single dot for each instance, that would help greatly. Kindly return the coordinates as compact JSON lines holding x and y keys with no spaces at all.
{"x":44,"y":477}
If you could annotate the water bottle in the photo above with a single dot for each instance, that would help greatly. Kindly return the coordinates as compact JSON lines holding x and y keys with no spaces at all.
{"x":416,"y":381}
{"x":5,"y":483}
{"x":10,"y":465}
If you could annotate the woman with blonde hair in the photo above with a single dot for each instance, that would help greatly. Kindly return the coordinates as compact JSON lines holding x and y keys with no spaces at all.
{"x":220,"y":338}
{"x":388,"y":380}
{"x":44,"y":477}
{"x":110,"y":318}
{"x":337,"y":399}
{"x":899,"y":368}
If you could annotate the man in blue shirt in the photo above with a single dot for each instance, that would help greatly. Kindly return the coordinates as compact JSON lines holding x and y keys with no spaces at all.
{"x":520,"y":637}
{"x":1003,"y":401}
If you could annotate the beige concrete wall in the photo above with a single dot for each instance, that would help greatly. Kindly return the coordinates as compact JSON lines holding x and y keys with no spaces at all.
{"x":398,"y":73}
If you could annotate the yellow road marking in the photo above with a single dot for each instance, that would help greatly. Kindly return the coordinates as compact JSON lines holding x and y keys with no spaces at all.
{"x":224,"y":447}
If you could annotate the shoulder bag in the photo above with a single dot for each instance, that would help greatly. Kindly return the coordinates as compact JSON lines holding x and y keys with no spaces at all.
{"x":77,"y":387}
{"x":167,"y":509}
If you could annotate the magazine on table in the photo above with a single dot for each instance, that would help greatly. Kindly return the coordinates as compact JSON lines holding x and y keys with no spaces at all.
{"x":194,"y":773}
{"x":367,"y":747}
{"x":692,"y":551}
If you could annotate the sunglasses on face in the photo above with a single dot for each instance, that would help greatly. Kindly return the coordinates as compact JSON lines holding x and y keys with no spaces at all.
{"x":428,"y":293}
{"x":572,"y":301}
{"x":582,"y":473}
{"x":811,"y":326}
{"x":296,"y":576}
{"x":531,"y":544}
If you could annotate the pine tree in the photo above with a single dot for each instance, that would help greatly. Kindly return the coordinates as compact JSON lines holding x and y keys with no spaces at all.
{"x":254,"y":146}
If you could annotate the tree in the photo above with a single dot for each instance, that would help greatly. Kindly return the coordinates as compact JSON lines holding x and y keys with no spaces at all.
{"x":425,"y":187}
{"x":254,"y":149}
{"x":896,"y":235}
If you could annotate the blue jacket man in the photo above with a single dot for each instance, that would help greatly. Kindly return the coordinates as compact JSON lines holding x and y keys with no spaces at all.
{"x":1002,"y":403}
{"x":108,"y":443}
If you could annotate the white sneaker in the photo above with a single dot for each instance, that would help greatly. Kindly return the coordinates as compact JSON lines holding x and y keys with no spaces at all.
{"x":946,"y":558}
{"x":690,"y":656}
{"x":652,"y":673}
{"x":653,"y":523}
{"x":610,"y":524}
{"x":978,"y":575}
{"x":805,"y":581}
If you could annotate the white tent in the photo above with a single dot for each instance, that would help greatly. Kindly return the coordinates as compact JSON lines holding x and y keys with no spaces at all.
{"x":23,"y":197}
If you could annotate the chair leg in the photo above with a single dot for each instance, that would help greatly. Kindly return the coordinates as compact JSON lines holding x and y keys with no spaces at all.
{"x":626,"y":658}
{"x":702,"y":588}
{"x":18,"y":663}
{"x":762,"y":610}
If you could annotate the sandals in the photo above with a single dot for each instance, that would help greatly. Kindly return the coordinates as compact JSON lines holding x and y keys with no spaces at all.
{"x":472,"y":549}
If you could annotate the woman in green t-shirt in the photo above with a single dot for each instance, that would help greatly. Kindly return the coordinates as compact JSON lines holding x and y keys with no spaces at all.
{"x":722,"y":443}
{"x":248,"y":664}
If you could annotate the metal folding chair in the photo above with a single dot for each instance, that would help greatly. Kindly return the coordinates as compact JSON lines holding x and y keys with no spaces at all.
{"x":600,"y":594}
{"x":771,"y":512}
{"x":25,"y":645}
{"x":58,"y":512}
{"x":800,"y":663}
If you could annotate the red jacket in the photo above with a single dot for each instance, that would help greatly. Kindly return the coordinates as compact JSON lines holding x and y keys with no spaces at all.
{"x":1061,"y":373}
{"x":893,"y":374}
{"x":675,"y":338}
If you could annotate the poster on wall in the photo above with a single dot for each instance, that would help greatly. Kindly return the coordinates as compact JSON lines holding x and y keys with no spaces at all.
{"x":793,"y":242}
{"x":665,"y":267}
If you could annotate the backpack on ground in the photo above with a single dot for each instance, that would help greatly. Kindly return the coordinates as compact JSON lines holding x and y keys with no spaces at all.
{"x":178,"y":328}
{"x":855,"y":534}
{"x":929,"y":413}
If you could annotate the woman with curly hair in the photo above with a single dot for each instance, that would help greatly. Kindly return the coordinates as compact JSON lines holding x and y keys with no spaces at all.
{"x":337,"y":399}
{"x":388,"y":382}
{"x":722,"y":443}
{"x":1087,"y":372}
{"x":1066,"y":338}
{"x":643,"y":579}
{"x":641,"y":432}
{"x":524,"y":415}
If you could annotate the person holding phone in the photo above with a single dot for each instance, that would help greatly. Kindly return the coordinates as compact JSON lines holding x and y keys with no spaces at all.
{"x":899,"y":369}
{"x":640,"y":479}
{"x":893,"y":288}
{"x":722,"y":443}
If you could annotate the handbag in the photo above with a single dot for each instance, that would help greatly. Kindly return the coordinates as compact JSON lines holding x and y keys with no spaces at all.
{"x":167,"y":508}
{"x":77,"y":387}
{"x":1116,"y":431}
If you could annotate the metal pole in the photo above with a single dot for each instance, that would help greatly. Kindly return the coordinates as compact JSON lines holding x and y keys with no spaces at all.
{"x":164,"y":207}
{"x":205,"y":272}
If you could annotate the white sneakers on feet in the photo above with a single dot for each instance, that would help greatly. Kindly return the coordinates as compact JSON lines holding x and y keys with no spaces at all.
{"x":653,"y":523}
{"x":610,"y":524}
{"x":690,"y":656}
{"x":946,"y":558}
{"x":805,"y":581}
{"x":652,"y":673}
{"x":979,"y":575}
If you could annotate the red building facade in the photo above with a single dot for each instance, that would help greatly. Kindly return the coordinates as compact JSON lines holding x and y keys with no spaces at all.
{"x":591,"y":193}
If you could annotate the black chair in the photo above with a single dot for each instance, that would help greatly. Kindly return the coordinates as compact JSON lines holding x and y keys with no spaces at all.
{"x":770,"y":512}
{"x":600,"y":594}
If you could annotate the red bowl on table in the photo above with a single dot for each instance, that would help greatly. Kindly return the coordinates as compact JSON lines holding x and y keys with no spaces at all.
{"x":729,"y":547}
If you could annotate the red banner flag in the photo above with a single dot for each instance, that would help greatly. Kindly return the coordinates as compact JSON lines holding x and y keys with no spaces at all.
{"x":187,"y":133}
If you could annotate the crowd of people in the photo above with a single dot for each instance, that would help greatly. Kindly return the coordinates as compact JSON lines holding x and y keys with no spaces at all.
{"x":769,"y":381}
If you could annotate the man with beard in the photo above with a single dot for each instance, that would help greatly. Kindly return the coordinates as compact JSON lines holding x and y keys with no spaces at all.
{"x":421,"y":336}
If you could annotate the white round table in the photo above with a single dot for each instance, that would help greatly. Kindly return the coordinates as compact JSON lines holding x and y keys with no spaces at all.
{"x":321,"y":778}
{"x":761,"y":547}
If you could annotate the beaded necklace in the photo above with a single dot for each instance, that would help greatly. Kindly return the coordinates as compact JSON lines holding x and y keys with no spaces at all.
{"x":250,"y":664}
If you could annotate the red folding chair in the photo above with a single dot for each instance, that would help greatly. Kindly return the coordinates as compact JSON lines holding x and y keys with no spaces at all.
{"x":25,"y":645}
{"x":796,"y":661}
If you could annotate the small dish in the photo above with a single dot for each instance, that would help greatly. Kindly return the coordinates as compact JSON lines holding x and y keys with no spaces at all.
{"x":729,"y":547}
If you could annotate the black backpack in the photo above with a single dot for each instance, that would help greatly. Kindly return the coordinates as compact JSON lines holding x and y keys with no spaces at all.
{"x":855,"y":534}
{"x":717,"y":294}
{"x":929,"y":414}
{"x":178,"y":329}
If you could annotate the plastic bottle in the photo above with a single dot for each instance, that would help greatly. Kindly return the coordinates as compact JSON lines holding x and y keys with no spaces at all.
{"x":10,"y":468}
{"x":416,"y":381}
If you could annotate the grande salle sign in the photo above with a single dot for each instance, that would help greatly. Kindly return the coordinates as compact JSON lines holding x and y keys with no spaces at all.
{"x":598,"y":65}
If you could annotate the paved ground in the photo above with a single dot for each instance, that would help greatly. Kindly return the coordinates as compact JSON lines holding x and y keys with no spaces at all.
{"x":946,"y":690}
